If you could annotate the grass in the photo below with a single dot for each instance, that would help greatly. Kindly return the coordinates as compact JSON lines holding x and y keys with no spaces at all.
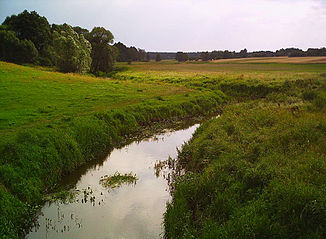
{"x":282,"y":59}
{"x":260,"y":165}
{"x":29,"y":96}
{"x":261,"y":168}
{"x":240,"y":66}
{"x":213,"y":76}
{"x":52,"y":123}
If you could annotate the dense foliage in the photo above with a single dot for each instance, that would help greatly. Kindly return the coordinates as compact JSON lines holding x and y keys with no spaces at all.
{"x":31,"y":26}
{"x":180,"y":56}
{"x":13,"y":49}
{"x":72,"y":51}
{"x":29,"y":38}
{"x":216,"y":55}
{"x":103,"y":54}
{"x":128,"y":54}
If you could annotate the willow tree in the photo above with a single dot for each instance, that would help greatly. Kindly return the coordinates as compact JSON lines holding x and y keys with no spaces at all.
{"x":103,"y":53}
{"x":72,"y":50}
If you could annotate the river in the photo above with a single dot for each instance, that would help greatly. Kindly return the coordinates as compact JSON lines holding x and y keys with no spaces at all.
{"x":130,"y":211}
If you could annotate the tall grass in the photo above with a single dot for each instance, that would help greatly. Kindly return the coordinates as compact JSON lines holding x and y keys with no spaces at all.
{"x":258,"y":171}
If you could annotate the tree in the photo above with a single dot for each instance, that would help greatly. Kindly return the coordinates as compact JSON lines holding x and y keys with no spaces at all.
{"x":80,"y":30}
{"x":226,"y":55}
{"x":31,"y":26}
{"x":158,"y":57}
{"x":133,"y":53}
{"x":181,"y":57}
{"x":204,"y":56}
{"x":128,"y":54}
{"x":123,"y":55}
{"x":215,"y":55}
{"x":297,"y":53}
{"x":72,"y":50}
{"x":148,"y":57}
{"x":243,"y":53}
{"x":103,"y":54}
{"x":141,"y":55}
{"x":14,"y":50}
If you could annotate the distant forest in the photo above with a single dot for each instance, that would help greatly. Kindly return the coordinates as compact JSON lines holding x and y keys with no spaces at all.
{"x":133,"y":54}
{"x":216,"y":55}
{"x":29,"y":38}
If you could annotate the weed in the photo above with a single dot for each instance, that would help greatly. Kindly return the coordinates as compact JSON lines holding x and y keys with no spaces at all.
{"x":118,"y":179}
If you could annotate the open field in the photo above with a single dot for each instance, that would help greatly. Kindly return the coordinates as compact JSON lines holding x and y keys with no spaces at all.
{"x":271,"y":134}
{"x":29,"y":96}
{"x":227,"y":67}
{"x":282,"y":59}
{"x":249,"y":80}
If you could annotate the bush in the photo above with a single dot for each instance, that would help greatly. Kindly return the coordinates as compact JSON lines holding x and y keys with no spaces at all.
{"x":14,"y":50}
{"x":309,"y":95}
{"x":45,"y":61}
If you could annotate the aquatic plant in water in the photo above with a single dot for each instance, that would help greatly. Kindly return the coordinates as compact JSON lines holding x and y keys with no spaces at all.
{"x":118,"y":179}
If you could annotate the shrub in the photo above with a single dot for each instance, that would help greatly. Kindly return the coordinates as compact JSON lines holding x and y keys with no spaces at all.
{"x":14,"y":50}
{"x":309,"y":95}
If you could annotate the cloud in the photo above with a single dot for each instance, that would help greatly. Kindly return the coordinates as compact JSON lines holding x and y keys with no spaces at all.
{"x":191,"y":25}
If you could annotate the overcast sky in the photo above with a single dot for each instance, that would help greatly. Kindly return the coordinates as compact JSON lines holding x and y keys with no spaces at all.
{"x":191,"y":25}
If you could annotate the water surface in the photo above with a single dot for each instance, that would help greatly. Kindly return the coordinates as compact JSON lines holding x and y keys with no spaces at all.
{"x":130,"y":211}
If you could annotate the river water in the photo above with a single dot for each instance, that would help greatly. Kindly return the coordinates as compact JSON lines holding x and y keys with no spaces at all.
{"x":129,"y":211}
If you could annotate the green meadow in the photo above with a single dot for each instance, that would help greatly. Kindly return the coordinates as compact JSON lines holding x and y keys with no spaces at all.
{"x":257,"y":171}
{"x":52,"y":123}
{"x":32,"y":97}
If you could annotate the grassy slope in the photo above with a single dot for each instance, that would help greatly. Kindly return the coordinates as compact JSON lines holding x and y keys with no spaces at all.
{"x":261,"y":170}
{"x":52,"y":123}
{"x":28,"y":95}
{"x":258,"y":171}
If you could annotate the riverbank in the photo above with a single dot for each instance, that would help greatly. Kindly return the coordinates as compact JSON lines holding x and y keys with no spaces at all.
{"x":96,"y":208}
{"x":39,"y":150}
{"x":258,"y":171}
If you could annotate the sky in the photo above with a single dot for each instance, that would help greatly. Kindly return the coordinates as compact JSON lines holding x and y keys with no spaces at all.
{"x":191,"y":25}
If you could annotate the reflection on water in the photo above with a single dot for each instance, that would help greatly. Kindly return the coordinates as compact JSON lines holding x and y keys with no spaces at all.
{"x":129,"y":211}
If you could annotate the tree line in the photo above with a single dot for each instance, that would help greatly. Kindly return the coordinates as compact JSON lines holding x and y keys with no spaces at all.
{"x":29,"y":38}
{"x":216,"y":55}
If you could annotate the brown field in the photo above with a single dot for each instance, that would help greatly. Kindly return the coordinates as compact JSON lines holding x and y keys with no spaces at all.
{"x":283,"y":59}
{"x":240,"y":65}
